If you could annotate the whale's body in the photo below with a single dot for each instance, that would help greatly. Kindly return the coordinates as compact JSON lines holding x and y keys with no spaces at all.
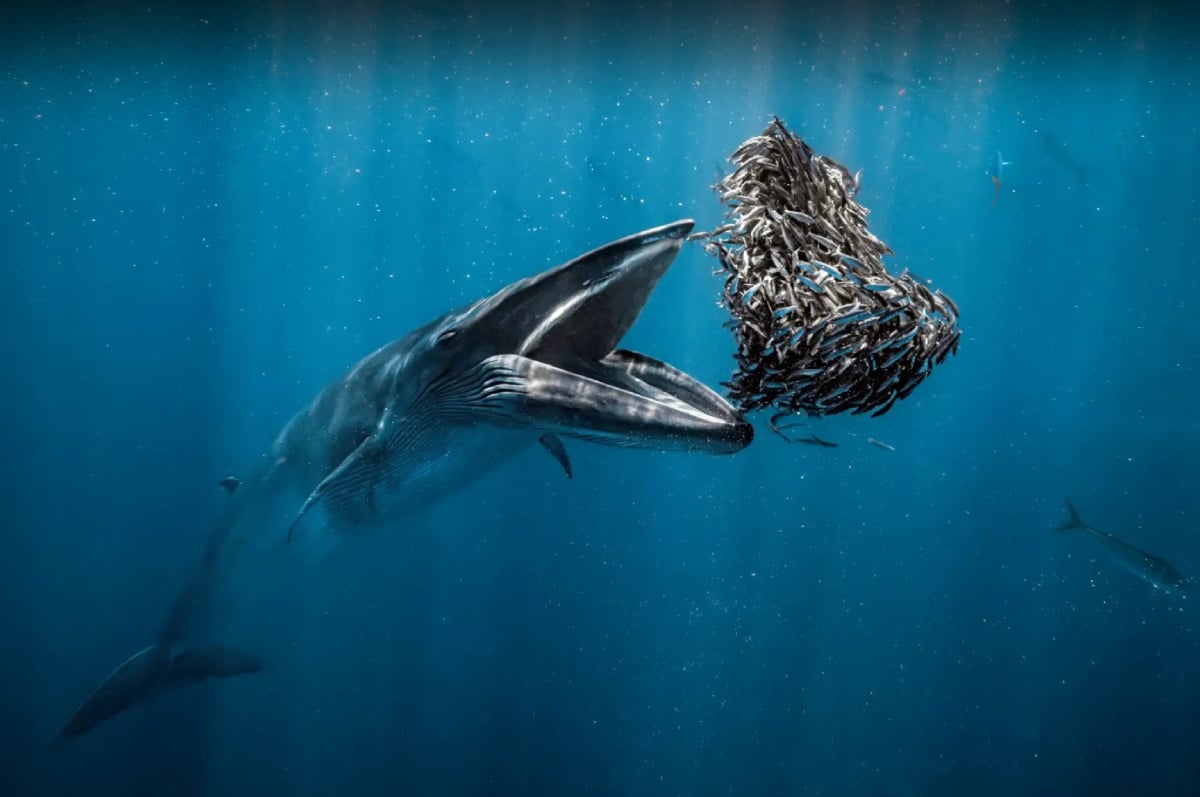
{"x":429,"y":412}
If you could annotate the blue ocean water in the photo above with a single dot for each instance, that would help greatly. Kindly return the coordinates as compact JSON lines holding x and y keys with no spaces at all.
{"x":208,"y":214}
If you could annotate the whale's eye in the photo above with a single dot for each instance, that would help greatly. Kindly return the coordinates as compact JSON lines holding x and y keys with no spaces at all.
{"x":447,"y":337}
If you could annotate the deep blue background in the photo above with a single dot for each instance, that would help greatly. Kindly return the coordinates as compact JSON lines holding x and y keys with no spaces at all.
{"x":206,"y":215}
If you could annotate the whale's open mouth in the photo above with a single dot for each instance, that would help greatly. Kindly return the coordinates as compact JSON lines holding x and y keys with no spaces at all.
{"x":565,"y":374}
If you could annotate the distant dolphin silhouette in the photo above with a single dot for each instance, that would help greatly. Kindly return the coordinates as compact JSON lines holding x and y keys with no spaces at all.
{"x":1058,"y":153}
{"x":439,"y":407}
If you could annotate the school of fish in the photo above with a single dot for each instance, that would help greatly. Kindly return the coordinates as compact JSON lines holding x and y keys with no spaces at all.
{"x":821,"y":326}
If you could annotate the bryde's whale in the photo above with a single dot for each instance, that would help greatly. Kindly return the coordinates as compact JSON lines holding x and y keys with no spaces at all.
{"x":533,"y":363}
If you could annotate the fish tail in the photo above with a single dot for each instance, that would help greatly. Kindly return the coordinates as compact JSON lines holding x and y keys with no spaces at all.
{"x":1074,"y":522}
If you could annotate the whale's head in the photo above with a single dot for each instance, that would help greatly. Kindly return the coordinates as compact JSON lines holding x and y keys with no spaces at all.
{"x":543,"y":351}
{"x":541,"y":356}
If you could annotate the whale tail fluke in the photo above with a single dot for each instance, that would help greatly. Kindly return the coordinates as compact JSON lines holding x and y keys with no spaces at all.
{"x":149,"y":671}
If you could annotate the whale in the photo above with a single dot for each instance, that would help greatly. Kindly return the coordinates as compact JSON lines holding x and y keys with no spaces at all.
{"x":534,"y":364}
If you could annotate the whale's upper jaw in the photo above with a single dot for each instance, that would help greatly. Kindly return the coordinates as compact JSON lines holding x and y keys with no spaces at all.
{"x":610,"y":288}
{"x":576,"y":312}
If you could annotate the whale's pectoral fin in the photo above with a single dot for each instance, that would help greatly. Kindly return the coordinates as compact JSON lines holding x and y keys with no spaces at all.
{"x":554,"y":444}
{"x":350,"y":487}
{"x":148,"y":671}
{"x":630,"y":401}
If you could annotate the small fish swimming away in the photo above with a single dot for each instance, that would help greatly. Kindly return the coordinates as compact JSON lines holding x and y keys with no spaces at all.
{"x":783,"y":429}
{"x":230,"y":483}
{"x":1155,"y":571}
{"x":997,"y":175}
{"x":880,"y":444}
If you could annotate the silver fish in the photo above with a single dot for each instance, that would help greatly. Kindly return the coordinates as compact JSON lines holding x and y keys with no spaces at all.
{"x":1154,"y":570}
